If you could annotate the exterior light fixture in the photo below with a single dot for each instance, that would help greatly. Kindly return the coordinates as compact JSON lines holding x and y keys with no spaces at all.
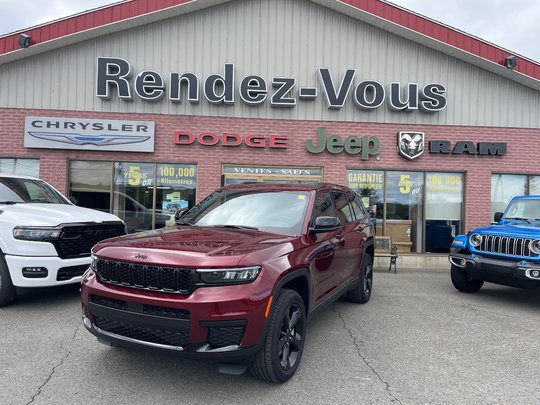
{"x":24,"y":40}
{"x":510,"y":62}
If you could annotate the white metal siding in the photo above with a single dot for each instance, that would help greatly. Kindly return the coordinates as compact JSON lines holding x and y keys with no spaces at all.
{"x":269,"y":38}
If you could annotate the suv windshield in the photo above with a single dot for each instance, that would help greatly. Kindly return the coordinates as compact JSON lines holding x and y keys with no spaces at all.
{"x":16,"y":190}
{"x":526,"y":210}
{"x":272,"y":211}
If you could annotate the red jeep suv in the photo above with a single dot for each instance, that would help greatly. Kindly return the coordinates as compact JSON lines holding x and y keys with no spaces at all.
{"x":236,"y":278}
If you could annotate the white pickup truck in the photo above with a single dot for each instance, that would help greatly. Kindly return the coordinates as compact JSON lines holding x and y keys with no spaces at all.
{"x":45,"y":240}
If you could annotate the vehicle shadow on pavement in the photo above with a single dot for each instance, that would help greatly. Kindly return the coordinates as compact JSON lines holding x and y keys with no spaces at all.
{"x":48,"y":296}
{"x":166,"y":370}
{"x":509,"y":296}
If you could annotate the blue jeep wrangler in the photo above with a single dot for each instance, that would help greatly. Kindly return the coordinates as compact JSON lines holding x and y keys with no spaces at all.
{"x":506,"y":253}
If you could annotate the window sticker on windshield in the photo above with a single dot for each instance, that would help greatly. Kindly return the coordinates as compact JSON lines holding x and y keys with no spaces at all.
{"x":301,"y":197}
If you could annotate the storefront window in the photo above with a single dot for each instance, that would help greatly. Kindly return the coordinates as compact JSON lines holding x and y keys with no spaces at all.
{"x":370,"y":185}
{"x":534,"y":185}
{"x":91,"y":184}
{"x":444,"y":207}
{"x":404,"y":210}
{"x":417,"y":218}
{"x":134,"y":196}
{"x":175,"y":189}
{"x":24,"y":167}
{"x":504,"y":187}
{"x":145,"y":195}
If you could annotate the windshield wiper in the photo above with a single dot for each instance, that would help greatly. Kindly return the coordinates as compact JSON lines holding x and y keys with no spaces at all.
{"x":183,"y":223}
{"x":519,"y":219}
{"x":10,"y":202}
{"x":236,"y":227}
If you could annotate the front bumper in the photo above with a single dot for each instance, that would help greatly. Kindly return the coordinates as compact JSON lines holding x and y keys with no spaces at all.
{"x":505,"y":272}
{"x":58,"y":271}
{"x":224,"y":323}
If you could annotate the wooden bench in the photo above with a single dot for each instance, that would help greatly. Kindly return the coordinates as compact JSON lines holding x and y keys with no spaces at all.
{"x":384,"y":247}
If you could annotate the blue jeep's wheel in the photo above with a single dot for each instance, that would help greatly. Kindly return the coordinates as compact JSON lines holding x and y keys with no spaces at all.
{"x":463,"y":282}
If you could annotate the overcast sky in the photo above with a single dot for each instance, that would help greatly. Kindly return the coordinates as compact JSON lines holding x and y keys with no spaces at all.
{"x":511,"y":24}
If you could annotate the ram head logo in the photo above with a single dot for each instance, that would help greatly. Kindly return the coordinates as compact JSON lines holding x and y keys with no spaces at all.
{"x":410,"y":144}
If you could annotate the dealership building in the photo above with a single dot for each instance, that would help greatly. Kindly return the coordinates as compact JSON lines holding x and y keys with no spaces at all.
{"x":144,"y":107}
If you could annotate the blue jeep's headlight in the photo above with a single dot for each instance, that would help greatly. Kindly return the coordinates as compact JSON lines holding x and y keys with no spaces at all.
{"x":229,"y":276}
{"x":534,"y":245}
{"x":40,"y":234}
{"x":475,"y":239}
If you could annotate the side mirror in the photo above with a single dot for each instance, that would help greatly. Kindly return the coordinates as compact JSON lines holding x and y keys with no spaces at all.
{"x":497,"y":217}
{"x":325,"y":224}
{"x":73,"y":200}
{"x":179,"y":214}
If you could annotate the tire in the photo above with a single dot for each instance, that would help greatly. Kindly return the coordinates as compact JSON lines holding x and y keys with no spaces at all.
{"x":7,"y":290}
{"x":362,"y":292}
{"x":462,"y":281}
{"x":280,"y":355}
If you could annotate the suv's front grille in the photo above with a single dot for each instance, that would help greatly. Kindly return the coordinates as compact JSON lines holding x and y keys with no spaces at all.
{"x":76,"y":241}
{"x":147,"y":309}
{"x":151,"y":335}
{"x":143,"y":322}
{"x":153,"y":278}
{"x":505,"y":245}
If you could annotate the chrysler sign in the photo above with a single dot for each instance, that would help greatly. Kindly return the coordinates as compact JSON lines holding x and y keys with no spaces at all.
{"x":88,"y":134}
{"x":115,"y":77}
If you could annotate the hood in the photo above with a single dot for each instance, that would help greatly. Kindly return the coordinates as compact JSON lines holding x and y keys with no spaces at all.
{"x":35,"y":214}
{"x":196,"y":246}
{"x":514,"y":230}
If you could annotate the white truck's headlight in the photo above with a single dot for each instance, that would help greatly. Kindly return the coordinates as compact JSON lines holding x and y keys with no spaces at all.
{"x":41,"y":234}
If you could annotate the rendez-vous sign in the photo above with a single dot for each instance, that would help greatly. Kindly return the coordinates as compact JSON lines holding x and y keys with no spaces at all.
{"x":115,"y":76}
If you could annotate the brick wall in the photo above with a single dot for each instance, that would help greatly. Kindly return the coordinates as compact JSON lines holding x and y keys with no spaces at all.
{"x":522,"y":153}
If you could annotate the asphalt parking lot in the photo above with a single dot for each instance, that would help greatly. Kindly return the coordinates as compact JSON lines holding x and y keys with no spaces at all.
{"x":418,"y":341}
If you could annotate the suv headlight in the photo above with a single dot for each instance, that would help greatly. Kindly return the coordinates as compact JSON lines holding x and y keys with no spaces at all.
{"x":36,"y":233}
{"x":534,"y":245}
{"x":475,"y":239}
{"x":229,"y":276}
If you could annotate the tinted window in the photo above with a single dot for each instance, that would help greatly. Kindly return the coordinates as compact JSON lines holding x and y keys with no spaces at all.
{"x":28,"y":191}
{"x":358,"y":207}
{"x":323,"y":206}
{"x":345,"y":213}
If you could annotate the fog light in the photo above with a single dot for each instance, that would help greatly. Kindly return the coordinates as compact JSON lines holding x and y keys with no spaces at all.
{"x":532,"y":273}
{"x":35,"y":272}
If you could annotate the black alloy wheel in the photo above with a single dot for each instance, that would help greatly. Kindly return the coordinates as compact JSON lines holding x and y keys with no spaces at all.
{"x":291,"y":340}
{"x":362,"y":292}
{"x":280,"y":355}
{"x":7,"y":290}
